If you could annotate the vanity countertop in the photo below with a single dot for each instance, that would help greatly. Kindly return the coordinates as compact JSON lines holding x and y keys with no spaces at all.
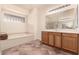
{"x":62,"y":30}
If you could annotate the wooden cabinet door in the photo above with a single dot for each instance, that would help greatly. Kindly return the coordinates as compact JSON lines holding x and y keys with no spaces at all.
{"x":78,"y":44}
{"x":58,"y":40}
{"x":45,"y":37}
{"x":51,"y":38}
{"x":69,"y":43}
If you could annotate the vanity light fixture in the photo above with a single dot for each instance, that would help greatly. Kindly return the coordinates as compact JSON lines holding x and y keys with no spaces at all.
{"x":59,"y":7}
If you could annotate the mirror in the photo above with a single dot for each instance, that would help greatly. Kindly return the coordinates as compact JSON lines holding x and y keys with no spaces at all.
{"x":65,"y":19}
{"x":51,"y":21}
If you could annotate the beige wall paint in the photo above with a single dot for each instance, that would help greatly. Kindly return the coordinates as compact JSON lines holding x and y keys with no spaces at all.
{"x":40,"y":22}
{"x":14,"y":9}
{"x":36,"y":18}
{"x":9,"y":27}
{"x":36,"y":22}
{"x":42,"y":19}
{"x":0,"y":17}
{"x":32,"y":21}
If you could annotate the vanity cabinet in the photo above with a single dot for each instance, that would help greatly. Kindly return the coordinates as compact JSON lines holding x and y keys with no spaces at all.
{"x":78,"y":44}
{"x":57,"y":40}
{"x":66,"y":41}
{"x":45,"y":37}
{"x":69,"y":42}
{"x":51,"y":38}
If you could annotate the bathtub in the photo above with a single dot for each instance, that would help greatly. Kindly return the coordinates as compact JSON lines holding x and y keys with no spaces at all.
{"x":14,"y":40}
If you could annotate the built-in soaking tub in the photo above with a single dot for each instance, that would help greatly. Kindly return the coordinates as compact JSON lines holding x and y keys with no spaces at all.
{"x":15,"y":39}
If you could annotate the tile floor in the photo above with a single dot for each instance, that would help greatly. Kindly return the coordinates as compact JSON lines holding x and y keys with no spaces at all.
{"x":34,"y":48}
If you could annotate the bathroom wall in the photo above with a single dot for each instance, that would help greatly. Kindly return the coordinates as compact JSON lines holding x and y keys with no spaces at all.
{"x":13,"y":27}
{"x":78,"y":16}
{"x":32,"y":21}
{"x":42,"y":20}
{"x":0,"y":18}
{"x":36,"y":22}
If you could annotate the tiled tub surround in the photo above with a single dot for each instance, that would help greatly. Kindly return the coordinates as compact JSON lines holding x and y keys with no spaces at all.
{"x":14,"y":40}
{"x":34,"y":48}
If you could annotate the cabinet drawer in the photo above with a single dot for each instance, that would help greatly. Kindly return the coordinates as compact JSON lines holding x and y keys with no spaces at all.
{"x":69,"y":43}
{"x":58,"y":33}
{"x":69,"y":34}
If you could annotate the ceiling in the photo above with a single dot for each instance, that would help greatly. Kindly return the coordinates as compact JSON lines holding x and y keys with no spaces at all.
{"x":30,"y":6}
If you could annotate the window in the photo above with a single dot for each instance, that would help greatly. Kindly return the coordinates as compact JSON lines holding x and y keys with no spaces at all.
{"x":13,"y":18}
{"x":13,"y":24}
